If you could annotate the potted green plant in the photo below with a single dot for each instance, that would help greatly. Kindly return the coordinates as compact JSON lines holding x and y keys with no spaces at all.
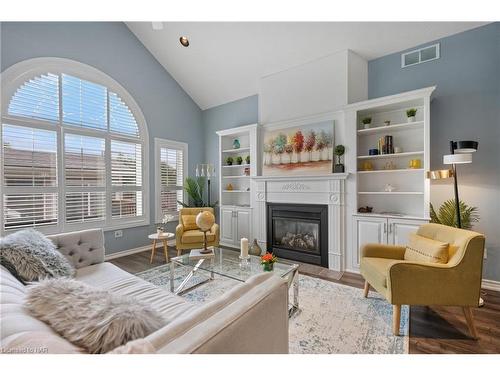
{"x":339,"y":152}
{"x":229,"y":160}
{"x":410,"y":114}
{"x":366,"y":122}
{"x":239,"y":160}
{"x":447,"y":214}
{"x":247,"y":159}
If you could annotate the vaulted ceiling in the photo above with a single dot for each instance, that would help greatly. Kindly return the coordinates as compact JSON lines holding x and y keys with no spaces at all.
{"x":225,"y":61}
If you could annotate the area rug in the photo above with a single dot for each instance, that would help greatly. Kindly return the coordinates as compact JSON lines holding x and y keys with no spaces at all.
{"x":332,"y":318}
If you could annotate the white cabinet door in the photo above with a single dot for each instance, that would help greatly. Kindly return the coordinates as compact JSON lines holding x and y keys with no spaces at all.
{"x":369,"y":230}
{"x":399,"y":230}
{"x":227,"y":225}
{"x":243,"y":221}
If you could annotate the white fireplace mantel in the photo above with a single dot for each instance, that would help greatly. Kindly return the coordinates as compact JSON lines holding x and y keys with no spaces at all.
{"x":326,"y":190}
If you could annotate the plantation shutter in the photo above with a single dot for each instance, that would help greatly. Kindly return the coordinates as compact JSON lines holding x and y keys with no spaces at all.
{"x":84,"y":103}
{"x":171,"y":179}
{"x":126,"y":178}
{"x":121,"y":119}
{"x":29,"y":162}
{"x":85,"y":177}
{"x":37,"y":98}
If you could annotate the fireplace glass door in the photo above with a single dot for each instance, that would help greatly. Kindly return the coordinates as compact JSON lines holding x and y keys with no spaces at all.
{"x":296,"y":234}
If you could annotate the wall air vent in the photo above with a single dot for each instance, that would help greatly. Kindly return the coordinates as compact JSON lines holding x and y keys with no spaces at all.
{"x":420,"y":55}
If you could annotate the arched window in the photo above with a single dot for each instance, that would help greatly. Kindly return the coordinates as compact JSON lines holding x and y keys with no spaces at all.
{"x":74,"y":148}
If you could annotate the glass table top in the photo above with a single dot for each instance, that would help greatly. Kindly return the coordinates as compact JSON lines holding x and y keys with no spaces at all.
{"x":226,"y":262}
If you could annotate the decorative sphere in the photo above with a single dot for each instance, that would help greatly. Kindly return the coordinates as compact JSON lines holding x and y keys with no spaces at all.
{"x":205,"y":220}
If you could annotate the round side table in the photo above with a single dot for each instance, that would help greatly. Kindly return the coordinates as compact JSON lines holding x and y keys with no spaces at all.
{"x":164,"y":237}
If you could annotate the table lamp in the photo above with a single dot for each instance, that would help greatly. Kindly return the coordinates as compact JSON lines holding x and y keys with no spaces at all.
{"x":205,"y":220}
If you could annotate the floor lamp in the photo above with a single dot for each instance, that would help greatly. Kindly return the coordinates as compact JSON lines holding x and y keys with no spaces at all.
{"x":208,"y":171}
{"x":461,"y":153}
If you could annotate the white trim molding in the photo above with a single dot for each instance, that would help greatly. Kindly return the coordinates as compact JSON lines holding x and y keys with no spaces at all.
{"x":490,"y":285}
{"x":135,"y":250}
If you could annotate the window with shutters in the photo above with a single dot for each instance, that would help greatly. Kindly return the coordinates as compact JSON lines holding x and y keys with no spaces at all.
{"x":73,"y":149}
{"x":170,"y":166}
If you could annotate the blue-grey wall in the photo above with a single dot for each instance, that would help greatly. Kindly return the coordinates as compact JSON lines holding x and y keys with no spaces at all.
{"x":113,"y":49}
{"x":466,"y":105}
{"x":230,"y":115}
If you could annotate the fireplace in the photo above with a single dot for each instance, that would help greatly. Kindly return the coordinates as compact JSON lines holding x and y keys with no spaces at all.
{"x":298,"y":232}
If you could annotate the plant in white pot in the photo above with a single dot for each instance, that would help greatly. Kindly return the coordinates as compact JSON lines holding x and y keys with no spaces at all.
{"x":366,"y":122}
{"x":410,"y":114}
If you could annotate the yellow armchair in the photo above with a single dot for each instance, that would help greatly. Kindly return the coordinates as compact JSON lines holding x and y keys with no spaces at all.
{"x":191,"y":237}
{"x":402,"y":282}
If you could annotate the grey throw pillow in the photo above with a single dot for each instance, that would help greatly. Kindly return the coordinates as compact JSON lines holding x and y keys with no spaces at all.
{"x":33,"y":256}
{"x":91,"y":318}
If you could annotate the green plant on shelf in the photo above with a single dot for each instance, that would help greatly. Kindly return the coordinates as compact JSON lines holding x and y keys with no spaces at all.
{"x":229,"y":160}
{"x":366,"y":120}
{"x":247,"y":159}
{"x":411,"y":112}
{"x":239,"y":160}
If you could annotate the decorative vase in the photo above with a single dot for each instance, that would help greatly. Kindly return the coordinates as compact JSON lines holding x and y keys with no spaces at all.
{"x":268,"y":267}
{"x":367,"y":126}
{"x":411,"y":119}
{"x":255,"y":249}
{"x":236,"y":143}
{"x":159,"y":231}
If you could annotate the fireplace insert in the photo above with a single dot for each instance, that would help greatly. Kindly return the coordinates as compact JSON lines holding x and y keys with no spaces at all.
{"x":298,"y":232}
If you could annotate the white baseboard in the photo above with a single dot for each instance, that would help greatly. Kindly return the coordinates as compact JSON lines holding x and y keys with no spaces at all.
{"x":491,"y":285}
{"x":140,"y":249}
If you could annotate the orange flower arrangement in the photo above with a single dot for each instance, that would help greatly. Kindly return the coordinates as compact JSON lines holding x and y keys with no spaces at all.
{"x":268,"y":258}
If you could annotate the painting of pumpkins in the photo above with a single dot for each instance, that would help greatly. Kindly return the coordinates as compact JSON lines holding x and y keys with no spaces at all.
{"x":303,"y":150}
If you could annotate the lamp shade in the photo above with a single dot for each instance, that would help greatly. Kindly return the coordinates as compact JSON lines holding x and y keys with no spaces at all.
{"x":457,"y":159}
{"x":440,"y":174}
{"x":465,"y":147}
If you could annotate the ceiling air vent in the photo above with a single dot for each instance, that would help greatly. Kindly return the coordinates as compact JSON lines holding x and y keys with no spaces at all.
{"x":420,"y":55}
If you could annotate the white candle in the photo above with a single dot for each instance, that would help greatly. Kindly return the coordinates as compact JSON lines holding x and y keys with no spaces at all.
{"x":244,"y":247}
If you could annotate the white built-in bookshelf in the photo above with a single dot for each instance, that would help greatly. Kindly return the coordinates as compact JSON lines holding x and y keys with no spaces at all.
{"x":408,"y":193}
{"x":234,"y":179}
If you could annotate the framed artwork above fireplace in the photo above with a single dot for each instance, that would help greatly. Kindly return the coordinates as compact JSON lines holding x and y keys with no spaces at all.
{"x":299,"y":150}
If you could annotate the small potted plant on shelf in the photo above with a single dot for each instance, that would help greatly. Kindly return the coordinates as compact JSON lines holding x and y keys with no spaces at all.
{"x":268,"y":260}
{"x":247,"y":159}
{"x":239,"y":160}
{"x":410,"y":114}
{"x":366,"y":122}
{"x":229,"y":160}
{"x":339,"y":152}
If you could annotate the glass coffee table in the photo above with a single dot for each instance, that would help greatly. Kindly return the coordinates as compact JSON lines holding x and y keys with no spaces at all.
{"x":226,"y":263}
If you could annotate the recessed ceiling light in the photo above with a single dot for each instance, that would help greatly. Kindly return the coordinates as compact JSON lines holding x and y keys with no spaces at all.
{"x":184,"y":41}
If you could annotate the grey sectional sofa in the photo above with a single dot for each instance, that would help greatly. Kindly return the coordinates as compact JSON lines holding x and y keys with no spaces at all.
{"x":251,"y":318}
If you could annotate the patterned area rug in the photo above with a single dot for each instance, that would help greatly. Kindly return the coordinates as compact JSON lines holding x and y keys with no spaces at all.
{"x":332,"y":318}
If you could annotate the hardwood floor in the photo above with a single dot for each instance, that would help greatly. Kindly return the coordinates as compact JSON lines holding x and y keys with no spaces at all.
{"x":433,"y":329}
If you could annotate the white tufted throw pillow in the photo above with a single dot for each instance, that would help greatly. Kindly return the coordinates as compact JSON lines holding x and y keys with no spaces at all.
{"x":94,"y":319}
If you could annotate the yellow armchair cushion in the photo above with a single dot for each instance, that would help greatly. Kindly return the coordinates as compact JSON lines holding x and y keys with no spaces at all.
{"x":189,"y":222}
{"x":422,"y":249}
{"x":196,"y":236}
{"x":377,"y":270}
